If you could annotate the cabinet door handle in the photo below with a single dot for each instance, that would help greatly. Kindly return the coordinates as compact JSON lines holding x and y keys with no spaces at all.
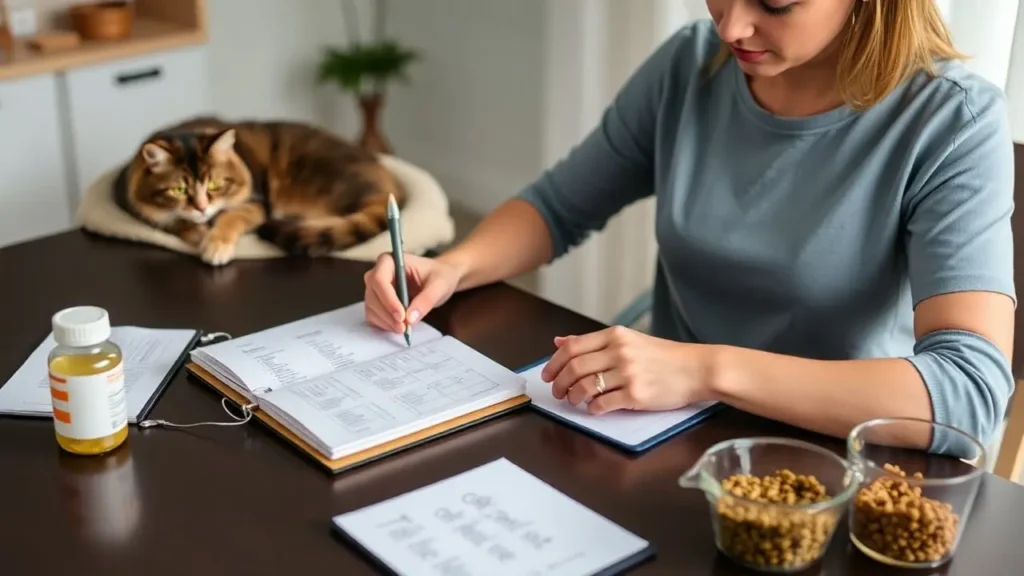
{"x":133,"y":77}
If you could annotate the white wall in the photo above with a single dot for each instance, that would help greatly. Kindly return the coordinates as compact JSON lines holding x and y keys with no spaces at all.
{"x":263,"y":59}
{"x":985,"y":36}
{"x":1015,"y":81}
{"x":505,"y":90}
{"x":593,"y":46}
{"x":472,"y":112}
{"x":475,"y":45}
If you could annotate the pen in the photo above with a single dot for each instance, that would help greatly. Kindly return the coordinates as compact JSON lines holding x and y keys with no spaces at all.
{"x":395,"y":230}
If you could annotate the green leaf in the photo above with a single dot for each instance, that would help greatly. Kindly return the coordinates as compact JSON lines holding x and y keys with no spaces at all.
{"x":359,"y":66}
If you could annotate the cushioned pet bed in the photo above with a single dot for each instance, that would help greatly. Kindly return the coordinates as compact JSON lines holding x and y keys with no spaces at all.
{"x":426,"y":222}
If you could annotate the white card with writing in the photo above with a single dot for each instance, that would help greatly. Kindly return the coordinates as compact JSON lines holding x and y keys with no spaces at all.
{"x":496,"y":519}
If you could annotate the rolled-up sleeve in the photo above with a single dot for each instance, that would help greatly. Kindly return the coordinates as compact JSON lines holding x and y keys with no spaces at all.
{"x":614,"y":164}
{"x":958,"y":238}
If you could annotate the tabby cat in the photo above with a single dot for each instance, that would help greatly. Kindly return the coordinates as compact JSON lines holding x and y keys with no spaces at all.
{"x":301,"y":188}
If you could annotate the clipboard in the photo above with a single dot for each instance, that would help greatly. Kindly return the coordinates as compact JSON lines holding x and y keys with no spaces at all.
{"x":644,"y":446}
{"x":368,"y":455}
{"x":159,"y":391}
{"x":154,"y":397}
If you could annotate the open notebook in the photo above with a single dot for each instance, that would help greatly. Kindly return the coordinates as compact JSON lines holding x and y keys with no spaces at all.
{"x":346,"y":393}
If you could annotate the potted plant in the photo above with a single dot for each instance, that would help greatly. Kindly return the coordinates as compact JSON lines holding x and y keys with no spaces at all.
{"x":364,"y":69}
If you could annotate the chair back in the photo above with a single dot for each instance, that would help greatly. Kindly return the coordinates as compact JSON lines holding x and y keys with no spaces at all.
{"x":1010,"y":460}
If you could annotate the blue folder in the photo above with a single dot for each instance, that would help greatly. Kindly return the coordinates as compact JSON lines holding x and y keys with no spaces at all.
{"x":633,"y":448}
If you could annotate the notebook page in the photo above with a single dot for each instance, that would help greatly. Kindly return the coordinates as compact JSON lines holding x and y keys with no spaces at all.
{"x":308,"y":348}
{"x":496,"y":519}
{"x":626,"y":426}
{"x":149,"y":356}
{"x":382,"y":399}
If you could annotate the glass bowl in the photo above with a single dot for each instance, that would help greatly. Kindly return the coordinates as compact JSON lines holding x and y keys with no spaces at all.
{"x":775,"y":502}
{"x":911,"y":506}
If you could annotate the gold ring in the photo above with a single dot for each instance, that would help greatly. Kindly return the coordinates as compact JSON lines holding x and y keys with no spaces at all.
{"x":600,"y":382}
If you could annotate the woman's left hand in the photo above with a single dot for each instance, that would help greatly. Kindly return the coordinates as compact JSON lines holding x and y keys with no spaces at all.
{"x":640,"y":372}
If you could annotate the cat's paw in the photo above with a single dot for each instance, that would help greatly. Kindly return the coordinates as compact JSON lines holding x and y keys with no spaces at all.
{"x":195,"y":235}
{"x":216,"y":249}
{"x":190,"y":233}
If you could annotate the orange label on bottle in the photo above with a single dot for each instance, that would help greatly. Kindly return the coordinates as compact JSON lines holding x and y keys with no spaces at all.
{"x":88,"y":407}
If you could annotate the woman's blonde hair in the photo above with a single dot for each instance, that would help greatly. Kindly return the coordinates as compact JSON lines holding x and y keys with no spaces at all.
{"x":885,"y":43}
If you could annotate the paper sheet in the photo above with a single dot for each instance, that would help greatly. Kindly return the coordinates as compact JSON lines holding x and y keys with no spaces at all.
{"x":149,"y":355}
{"x":496,"y":519}
{"x":383,"y":398}
{"x":625,"y":426}
{"x":308,"y":348}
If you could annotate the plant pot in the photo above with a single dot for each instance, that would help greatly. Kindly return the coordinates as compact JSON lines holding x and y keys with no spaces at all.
{"x":372,"y":138}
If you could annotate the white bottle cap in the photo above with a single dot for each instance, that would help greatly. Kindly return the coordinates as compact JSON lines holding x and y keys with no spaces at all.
{"x":81,"y":326}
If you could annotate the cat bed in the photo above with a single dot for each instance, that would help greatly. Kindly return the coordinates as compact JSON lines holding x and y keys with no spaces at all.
{"x":426,"y":222}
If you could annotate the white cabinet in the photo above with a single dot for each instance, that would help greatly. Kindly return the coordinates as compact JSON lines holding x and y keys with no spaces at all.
{"x":34,"y":199}
{"x":114,"y":106}
{"x":59,"y":132}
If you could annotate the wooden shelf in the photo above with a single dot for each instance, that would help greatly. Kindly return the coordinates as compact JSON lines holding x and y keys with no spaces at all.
{"x":156,"y":27}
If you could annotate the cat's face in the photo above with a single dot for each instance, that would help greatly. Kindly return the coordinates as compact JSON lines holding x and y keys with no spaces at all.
{"x":192,"y":176}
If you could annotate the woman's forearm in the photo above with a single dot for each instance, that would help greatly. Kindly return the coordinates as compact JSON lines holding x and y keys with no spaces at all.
{"x":825,"y":396}
{"x":511,"y":240}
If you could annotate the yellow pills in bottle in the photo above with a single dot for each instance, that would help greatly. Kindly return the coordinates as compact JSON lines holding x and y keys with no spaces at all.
{"x":86,"y":371}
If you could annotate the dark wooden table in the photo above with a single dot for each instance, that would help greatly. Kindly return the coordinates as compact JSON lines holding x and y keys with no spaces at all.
{"x":237,"y":500}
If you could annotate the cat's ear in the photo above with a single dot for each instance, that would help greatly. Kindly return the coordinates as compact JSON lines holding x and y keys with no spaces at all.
{"x":223,"y":145}
{"x":157,"y":157}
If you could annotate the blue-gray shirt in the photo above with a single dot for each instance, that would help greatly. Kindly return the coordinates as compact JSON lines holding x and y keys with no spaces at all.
{"x":812,"y":236}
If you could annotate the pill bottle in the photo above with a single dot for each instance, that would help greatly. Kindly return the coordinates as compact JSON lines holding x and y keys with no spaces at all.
{"x":87,"y":382}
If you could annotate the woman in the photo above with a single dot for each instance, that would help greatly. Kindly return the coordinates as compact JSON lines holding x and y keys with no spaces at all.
{"x":834,"y":192}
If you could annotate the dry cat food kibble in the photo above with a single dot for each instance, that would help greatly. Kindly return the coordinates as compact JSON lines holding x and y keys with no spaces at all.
{"x":892,"y":518}
{"x":764,"y":535}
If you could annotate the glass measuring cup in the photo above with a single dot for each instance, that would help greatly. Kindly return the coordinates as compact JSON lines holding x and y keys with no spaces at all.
{"x":751,"y":528}
{"x":910,"y":508}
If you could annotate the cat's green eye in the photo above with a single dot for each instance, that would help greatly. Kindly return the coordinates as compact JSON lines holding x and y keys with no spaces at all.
{"x":213,"y":185}
{"x":178,"y":191}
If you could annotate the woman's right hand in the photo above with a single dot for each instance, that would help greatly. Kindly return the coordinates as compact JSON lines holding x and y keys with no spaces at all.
{"x":431,"y":283}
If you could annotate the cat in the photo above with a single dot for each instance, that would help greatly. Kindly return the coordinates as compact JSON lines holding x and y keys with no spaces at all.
{"x":299,"y":187}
